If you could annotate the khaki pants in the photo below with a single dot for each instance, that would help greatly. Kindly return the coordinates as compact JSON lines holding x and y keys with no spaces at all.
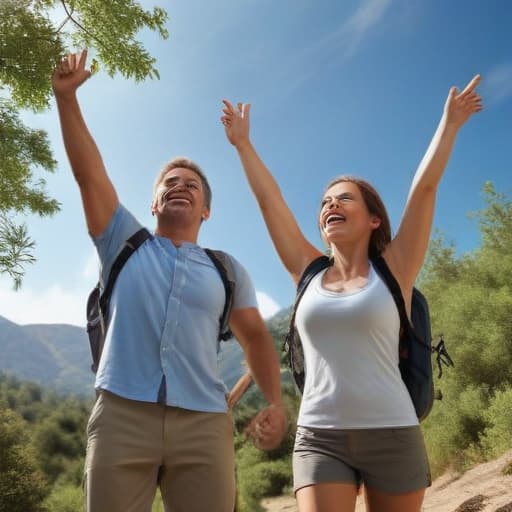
{"x":132,"y":447}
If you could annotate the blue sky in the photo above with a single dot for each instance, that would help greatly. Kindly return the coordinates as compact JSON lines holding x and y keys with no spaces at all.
{"x":352,"y":87}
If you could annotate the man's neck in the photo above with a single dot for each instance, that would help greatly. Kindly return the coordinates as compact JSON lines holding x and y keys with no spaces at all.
{"x":177,"y":234}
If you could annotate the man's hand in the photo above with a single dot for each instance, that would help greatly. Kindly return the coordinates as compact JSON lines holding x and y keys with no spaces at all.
{"x":268,"y":427}
{"x":236,"y":122}
{"x":70,"y":74}
{"x":459,"y":107}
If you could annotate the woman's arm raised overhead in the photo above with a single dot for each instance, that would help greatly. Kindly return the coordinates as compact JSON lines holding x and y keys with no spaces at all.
{"x":406,"y":252}
{"x":291,"y":245}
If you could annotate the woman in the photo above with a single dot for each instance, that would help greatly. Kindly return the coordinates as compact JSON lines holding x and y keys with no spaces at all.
{"x":356,"y":423}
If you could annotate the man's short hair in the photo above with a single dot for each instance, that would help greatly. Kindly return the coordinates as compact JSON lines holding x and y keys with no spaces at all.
{"x":186,"y":163}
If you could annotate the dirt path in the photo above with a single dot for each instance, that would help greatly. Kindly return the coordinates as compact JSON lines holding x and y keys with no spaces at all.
{"x":482,"y":489}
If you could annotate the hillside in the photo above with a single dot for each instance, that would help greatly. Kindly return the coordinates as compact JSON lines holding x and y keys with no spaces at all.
{"x":57,"y":357}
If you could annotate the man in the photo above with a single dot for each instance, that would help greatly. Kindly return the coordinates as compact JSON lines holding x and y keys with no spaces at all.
{"x":161,"y":417}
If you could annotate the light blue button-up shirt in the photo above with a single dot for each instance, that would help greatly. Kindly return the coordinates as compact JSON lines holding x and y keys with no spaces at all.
{"x":164,"y":320}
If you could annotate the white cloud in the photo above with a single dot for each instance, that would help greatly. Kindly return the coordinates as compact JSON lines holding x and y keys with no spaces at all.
{"x":91,"y":267}
{"x":497,"y":85}
{"x":54,"y":305}
{"x":267,"y":305}
{"x":352,"y":32}
{"x":338,"y":45}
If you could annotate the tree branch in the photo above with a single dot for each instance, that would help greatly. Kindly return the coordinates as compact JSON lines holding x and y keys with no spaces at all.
{"x":68,"y":17}
{"x":79,"y":25}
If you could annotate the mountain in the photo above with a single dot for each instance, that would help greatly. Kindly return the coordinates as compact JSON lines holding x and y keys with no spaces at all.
{"x":57,"y":356}
{"x":53,"y":355}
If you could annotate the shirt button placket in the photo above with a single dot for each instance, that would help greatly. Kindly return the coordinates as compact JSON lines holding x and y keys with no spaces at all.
{"x":168,"y":341}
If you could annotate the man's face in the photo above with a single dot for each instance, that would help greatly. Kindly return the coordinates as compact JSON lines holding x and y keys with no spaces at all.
{"x":180,"y":194}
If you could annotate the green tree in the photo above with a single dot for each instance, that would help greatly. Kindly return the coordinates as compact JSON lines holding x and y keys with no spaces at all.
{"x":21,"y":149}
{"x":471,"y":303}
{"x":65,"y":498}
{"x":31,"y":43}
{"x":59,"y":440}
{"x":22,"y":486}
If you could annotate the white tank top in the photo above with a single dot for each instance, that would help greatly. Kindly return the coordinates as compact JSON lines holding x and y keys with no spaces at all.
{"x":350,"y":342}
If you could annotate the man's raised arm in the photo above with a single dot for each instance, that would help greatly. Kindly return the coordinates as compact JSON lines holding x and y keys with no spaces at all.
{"x":98,"y":194}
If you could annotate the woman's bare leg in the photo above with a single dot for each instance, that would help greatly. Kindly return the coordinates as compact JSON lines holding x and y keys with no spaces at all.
{"x":377,"y":501}
{"x":327,"y":497}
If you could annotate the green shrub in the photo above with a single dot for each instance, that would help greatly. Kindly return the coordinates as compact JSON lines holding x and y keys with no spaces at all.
{"x":65,"y":498}
{"x":22,"y":486}
{"x":258,"y":476}
{"x":453,"y":429}
{"x":497,"y":437}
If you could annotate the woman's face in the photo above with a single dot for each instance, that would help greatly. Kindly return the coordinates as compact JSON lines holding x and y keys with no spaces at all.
{"x":344,"y":216}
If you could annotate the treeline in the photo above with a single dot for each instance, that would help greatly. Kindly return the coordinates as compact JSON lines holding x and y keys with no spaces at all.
{"x":42,"y":435}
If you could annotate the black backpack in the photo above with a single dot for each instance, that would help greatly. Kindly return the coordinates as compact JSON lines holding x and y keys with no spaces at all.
{"x":99,"y":300}
{"x":415,"y":344}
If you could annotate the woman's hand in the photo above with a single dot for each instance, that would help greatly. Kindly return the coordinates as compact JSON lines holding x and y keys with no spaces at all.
{"x":459,"y":107}
{"x":236,"y":122}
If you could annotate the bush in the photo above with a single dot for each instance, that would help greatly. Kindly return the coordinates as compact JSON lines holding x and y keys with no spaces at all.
{"x":268,"y":478}
{"x":60,"y":439}
{"x":497,"y":437}
{"x":22,"y":486}
{"x":453,"y":429}
{"x":258,"y":476}
{"x":65,"y":498}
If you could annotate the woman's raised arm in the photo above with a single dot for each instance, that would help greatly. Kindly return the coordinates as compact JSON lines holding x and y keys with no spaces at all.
{"x":406,"y":252}
{"x":291,"y":245}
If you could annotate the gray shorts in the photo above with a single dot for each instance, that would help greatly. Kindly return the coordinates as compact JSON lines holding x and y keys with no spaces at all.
{"x":390,"y":460}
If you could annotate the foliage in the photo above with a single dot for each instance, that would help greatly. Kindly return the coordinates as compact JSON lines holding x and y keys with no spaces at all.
{"x":60,"y":440}
{"x":20,"y":150}
{"x":65,"y":498}
{"x":31,"y":43}
{"x":15,"y":249}
{"x":56,"y":426}
{"x":471,"y":302}
{"x":263,"y":478}
{"x":498,"y":433}
{"x":22,"y":486}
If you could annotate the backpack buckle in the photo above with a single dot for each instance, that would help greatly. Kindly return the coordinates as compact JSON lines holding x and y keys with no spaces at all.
{"x":442,"y":356}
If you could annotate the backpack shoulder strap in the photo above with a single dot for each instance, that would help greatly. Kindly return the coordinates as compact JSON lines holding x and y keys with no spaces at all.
{"x":130,"y":246}
{"x":224,"y":266}
{"x":311,"y":271}
{"x":380,"y":265}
